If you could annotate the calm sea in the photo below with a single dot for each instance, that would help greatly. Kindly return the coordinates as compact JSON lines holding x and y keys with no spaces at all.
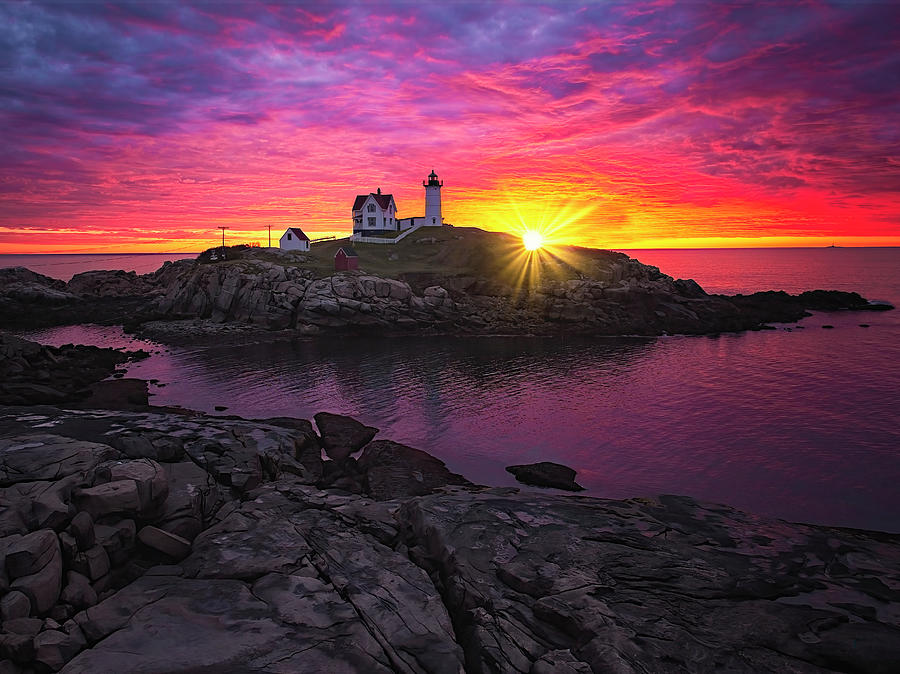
{"x":66,"y":266}
{"x":801,"y":424}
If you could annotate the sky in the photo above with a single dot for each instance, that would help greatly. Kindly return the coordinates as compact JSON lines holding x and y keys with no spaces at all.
{"x":145,"y":126}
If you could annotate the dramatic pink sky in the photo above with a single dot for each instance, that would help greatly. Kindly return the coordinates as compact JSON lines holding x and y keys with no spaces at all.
{"x":146,"y":125}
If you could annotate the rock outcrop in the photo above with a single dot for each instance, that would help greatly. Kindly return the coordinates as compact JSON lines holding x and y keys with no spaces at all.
{"x":219,"y":549}
{"x":272,"y":291}
{"x":622,"y":297}
{"x":33,"y":374}
{"x":546,"y":474}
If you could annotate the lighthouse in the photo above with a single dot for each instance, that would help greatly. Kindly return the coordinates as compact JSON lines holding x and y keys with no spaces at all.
{"x":433,"y":200}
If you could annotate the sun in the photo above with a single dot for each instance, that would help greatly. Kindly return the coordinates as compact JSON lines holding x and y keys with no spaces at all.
{"x":532,"y":240}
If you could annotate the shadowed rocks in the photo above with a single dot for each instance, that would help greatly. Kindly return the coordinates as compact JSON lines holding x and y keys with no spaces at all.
{"x":341,"y":435}
{"x":418,"y":572}
{"x":546,"y":474}
{"x":394,"y":471}
{"x":33,"y":374}
{"x":257,"y":291}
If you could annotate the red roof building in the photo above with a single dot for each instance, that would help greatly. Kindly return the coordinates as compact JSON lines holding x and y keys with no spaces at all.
{"x":346,"y":259}
{"x":374,"y":213}
{"x":294,"y":239}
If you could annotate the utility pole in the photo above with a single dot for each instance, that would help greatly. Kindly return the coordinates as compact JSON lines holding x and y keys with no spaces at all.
{"x":223,"y":240}
{"x":270,"y":235}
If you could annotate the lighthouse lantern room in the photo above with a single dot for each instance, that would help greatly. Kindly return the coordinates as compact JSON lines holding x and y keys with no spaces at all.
{"x":433,"y":200}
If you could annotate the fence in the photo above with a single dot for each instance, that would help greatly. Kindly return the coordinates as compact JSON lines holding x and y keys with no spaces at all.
{"x":376,"y":239}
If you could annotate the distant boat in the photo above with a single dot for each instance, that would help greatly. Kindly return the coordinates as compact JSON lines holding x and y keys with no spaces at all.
{"x":832,"y":245}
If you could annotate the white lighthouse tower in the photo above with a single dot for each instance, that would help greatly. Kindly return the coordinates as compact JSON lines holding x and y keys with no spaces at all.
{"x":433,"y":200}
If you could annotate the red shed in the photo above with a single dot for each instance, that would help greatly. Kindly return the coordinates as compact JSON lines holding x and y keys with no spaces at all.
{"x":346,"y":259}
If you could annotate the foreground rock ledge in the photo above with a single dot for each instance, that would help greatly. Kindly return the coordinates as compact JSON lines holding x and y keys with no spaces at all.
{"x":275,"y":574}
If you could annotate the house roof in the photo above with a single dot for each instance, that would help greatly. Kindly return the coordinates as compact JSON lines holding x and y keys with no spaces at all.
{"x":347,"y":250}
{"x":297,"y":232}
{"x":383,"y":200}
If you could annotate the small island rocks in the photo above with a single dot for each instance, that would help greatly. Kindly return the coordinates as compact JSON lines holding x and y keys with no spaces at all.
{"x":546,"y":474}
{"x":270,"y":291}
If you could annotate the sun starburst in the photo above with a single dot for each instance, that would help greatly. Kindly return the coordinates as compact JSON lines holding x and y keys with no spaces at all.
{"x":532,"y":239}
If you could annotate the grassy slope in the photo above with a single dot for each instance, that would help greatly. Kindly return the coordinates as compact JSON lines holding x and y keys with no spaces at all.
{"x":463,"y":251}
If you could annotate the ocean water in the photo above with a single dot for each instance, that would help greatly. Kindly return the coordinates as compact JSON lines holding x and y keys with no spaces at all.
{"x":802,"y":424}
{"x":64,"y":267}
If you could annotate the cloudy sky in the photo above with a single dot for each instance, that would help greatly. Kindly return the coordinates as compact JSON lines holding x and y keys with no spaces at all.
{"x":146,"y":125}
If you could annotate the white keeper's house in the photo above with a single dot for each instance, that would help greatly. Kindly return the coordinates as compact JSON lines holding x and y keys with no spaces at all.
{"x":376,"y":213}
{"x":294,"y":239}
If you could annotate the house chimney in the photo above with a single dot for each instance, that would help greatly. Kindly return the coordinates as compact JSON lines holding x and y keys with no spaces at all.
{"x":379,"y":190}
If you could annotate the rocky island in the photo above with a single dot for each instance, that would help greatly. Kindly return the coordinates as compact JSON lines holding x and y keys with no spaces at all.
{"x":135,"y":538}
{"x":451,"y":280}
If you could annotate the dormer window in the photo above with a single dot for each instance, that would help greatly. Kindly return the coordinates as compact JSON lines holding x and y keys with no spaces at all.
{"x":371,"y":208}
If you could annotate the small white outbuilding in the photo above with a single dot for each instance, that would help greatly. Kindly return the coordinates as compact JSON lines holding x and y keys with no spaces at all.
{"x":294,"y":239}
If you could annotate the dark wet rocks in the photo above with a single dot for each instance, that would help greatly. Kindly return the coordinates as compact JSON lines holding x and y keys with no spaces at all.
{"x":654,"y":585}
{"x":624,"y":297}
{"x":342,"y":435}
{"x":393,"y":471}
{"x":33,"y":374}
{"x":195,"y":301}
{"x":222,"y":548}
{"x":546,"y":474}
{"x":30,"y":300}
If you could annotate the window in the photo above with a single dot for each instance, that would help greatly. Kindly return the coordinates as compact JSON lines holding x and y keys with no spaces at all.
{"x":289,"y":236}
{"x":371,"y":222}
{"x":371,"y":208}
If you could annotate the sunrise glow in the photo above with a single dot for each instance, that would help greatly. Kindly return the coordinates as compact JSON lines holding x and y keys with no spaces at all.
{"x":145,"y":126}
{"x":532,"y":240}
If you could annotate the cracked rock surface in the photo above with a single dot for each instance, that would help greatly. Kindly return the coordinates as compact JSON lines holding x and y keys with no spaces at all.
{"x":222,"y":547}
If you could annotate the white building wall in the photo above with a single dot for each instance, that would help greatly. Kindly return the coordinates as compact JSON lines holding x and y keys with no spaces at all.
{"x":290,"y":241}
{"x":384,"y":218}
{"x":433,"y":206}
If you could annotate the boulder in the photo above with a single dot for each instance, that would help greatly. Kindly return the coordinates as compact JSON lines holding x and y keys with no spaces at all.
{"x":82,"y":529}
{"x":546,"y":474}
{"x":394,"y":471}
{"x":42,"y":588}
{"x":167,"y":543}
{"x":117,"y":539}
{"x":147,"y":474}
{"x":192,"y":499}
{"x":78,"y":591}
{"x":17,"y":647}
{"x":342,"y":435}
{"x":14,"y":605}
{"x":28,"y":458}
{"x":36,"y":505}
{"x":53,"y":648}
{"x":24,"y":625}
{"x":122,"y":496}
{"x":50,"y":508}
{"x":68,"y":547}
{"x":31,"y":553}
{"x":93,"y":562}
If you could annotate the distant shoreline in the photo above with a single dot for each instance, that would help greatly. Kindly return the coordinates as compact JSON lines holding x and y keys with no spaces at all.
{"x":618,"y":250}
{"x":187,"y":254}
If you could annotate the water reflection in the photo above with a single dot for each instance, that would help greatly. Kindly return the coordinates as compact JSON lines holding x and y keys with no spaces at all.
{"x":800,"y":425}
{"x":770,"y":422}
